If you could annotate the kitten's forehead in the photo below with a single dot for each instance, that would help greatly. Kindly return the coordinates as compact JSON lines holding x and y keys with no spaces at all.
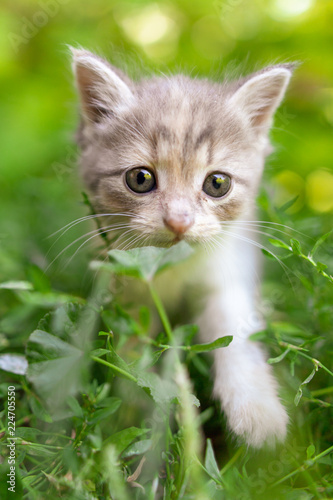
{"x":184,"y":122}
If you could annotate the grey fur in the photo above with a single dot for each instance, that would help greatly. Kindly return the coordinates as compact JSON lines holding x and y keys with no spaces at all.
{"x":183,"y":130}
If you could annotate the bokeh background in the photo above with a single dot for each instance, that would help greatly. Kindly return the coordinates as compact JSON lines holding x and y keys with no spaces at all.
{"x":40,"y":190}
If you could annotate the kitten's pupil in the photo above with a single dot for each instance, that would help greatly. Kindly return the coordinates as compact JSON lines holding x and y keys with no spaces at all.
{"x":217,"y":181}
{"x":141,"y":178}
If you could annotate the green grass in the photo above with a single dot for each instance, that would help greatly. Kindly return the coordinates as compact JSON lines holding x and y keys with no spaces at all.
{"x":106,"y":411}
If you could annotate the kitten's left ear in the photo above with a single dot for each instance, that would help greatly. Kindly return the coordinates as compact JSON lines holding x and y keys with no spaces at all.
{"x":260,"y":95}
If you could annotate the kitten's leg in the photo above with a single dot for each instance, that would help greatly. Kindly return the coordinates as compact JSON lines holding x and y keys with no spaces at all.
{"x":243,"y":380}
{"x":248,"y":393}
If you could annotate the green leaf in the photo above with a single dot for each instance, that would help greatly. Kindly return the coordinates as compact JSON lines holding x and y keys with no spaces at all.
{"x":40,"y":281}
{"x":162,"y":391}
{"x":74,"y":406}
{"x":272,"y":361}
{"x":62,"y":321}
{"x":319,"y":242}
{"x":124,"y":438}
{"x":115,"y":359}
{"x":221,"y":342}
{"x":211,"y":464}
{"x":268,"y":254}
{"x":103,"y":413}
{"x":306,"y":381}
{"x":310,"y":451}
{"x":137,"y":448}
{"x":296,"y":246}
{"x":99,"y":352}
{"x":49,"y":299}
{"x":96,"y":439}
{"x":321,"y":267}
{"x":106,"y":401}
{"x":279,"y":243}
{"x":38,"y":409}
{"x":56,"y":368}
{"x":28,"y":433}
{"x":42,"y":346}
{"x":121,"y":262}
{"x":288,"y":204}
{"x":145,"y":262}
{"x":120,"y":322}
{"x":290,"y":332}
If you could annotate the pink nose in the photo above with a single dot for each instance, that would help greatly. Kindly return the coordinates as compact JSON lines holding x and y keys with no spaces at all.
{"x":179,"y":224}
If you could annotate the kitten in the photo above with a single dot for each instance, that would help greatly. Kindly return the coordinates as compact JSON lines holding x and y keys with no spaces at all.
{"x":182,"y":159}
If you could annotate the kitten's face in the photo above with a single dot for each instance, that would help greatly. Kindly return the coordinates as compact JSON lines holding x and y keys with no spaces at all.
{"x":177,"y":157}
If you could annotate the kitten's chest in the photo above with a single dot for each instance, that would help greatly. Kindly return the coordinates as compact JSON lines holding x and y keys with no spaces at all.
{"x":182,"y":289}
{"x":205,"y":278}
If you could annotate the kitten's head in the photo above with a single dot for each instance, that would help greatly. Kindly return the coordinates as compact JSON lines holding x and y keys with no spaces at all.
{"x":176,"y":156}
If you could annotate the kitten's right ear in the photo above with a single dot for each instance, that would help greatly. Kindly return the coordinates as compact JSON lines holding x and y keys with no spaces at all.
{"x":102,"y":91}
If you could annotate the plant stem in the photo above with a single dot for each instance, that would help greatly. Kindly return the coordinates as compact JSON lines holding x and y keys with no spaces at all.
{"x":315,"y":361}
{"x":320,"y":392}
{"x":314,"y":264}
{"x":303,"y":467}
{"x":161,"y":311}
{"x":115,"y":368}
{"x":232,"y":460}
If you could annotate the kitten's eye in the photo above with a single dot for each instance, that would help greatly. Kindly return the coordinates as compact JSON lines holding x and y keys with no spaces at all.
{"x":140,"y":180}
{"x":217,"y":184}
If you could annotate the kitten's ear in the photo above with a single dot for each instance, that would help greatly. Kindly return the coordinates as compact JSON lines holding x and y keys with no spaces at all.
{"x":102,"y":90}
{"x":261,"y":93}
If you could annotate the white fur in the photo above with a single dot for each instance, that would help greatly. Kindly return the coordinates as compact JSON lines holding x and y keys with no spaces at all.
{"x":243,"y":381}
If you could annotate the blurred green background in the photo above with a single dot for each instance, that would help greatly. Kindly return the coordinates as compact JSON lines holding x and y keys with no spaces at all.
{"x":40,"y":189}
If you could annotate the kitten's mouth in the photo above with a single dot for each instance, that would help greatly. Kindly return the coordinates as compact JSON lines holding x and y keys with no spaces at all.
{"x":177,"y":239}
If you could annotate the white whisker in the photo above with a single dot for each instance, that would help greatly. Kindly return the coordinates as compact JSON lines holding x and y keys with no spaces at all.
{"x":258,"y":245}
{"x":249,"y":228}
{"x":95,"y":232}
{"x":88,"y":217}
{"x":267,"y":223}
{"x":91,"y":237}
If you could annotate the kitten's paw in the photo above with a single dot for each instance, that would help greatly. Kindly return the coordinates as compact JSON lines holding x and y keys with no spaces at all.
{"x":248,"y":392}
{"x":258,"y":421}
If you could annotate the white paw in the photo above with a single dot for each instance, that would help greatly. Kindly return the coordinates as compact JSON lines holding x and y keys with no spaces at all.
{"x":247,"y":389}
{"x":258,"y":421}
